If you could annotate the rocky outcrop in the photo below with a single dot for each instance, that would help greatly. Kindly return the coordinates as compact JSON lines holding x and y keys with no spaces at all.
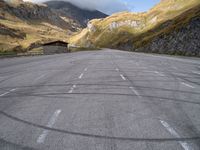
{"x":91,"y":27}
{"x":184,"y":41}
{"x":128,"y":23}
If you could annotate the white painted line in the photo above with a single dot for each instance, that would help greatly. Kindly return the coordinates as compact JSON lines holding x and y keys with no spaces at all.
{"x":70,"y":91}
{"x":40,"y":77}
{"x":51,"y":122}
{"x":12,"y":90}
{"x":80,"y":76}
{"x":136,"y":92}
{"x":72,"y":88}
{"x":122,"y":77}
{"x":196,"y":72}
{"x":4,"y":94}
{"x":190,"y":86}
{"x":174,"y":133}
{"x":160,"y":74}
{"x":85,"y":69}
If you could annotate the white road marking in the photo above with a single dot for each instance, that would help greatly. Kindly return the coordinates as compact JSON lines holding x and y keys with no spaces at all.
{"x":51,"y":122}
{"x":85,"y":69}
{"x":12,"y":90}
{"x":174,"y":133}
{"x":4,"y":94}
{"x":122,"y":77}
{"x":190,"y":86}
{"x":40,"y":77}
{"x":136,"y":92}
{"x":196,"y":72}
{"x":80,"y":76}
{"x":72,"y":88}
{"x":160,"y":74}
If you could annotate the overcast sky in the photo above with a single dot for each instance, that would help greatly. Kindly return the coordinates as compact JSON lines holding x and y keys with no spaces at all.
{"x":112,"y":6}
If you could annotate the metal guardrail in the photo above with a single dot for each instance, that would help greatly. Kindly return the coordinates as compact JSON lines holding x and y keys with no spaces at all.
{"x":25,"y":54}
{"x":20,"y":54}
{"x":30,"y":54}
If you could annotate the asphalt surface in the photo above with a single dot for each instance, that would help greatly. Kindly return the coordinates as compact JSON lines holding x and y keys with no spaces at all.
{"x":100,"y":100}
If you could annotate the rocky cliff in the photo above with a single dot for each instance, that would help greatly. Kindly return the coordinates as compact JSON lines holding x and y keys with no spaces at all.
{"x":184,"y":41}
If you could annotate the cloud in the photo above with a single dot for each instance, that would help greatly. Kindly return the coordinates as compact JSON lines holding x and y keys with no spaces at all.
{"x":106,"y":6}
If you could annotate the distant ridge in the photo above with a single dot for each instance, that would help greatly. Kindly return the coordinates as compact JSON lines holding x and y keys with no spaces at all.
{"x":76,"y":13}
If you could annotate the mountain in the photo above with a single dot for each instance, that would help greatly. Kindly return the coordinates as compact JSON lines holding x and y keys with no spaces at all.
{"x":76,"y":13}
{"x":171,"y":27}
{"x":23,"y":24}
{"x":36,"y":13}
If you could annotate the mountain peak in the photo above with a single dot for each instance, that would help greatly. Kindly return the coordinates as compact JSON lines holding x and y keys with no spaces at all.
{"x":75,"y":12}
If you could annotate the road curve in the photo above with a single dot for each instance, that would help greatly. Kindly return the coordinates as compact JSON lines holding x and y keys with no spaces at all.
{"x":100,"y":100}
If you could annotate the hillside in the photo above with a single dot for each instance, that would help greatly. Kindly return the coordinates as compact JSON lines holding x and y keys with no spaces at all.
{"x":80,"y":15}
{"x":164,"y":24}
{"x":25,"y":24}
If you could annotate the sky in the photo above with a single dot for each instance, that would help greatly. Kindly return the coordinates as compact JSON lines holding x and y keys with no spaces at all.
{"x":112,"y":6}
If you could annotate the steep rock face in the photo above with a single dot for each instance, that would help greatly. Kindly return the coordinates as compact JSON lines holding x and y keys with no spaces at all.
{"x":74,"y":12}
{"x":128,"y":23}
{"x":184,"y":41}
{"x":91,"y":27}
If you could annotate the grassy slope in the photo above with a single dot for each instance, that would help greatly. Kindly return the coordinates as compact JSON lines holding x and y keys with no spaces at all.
{"x":34,"y":33}
{"x":20,"y":35}
{"x":152,"y":23}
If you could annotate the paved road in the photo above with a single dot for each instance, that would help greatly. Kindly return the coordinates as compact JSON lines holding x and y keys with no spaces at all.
{"x":101,"y":100}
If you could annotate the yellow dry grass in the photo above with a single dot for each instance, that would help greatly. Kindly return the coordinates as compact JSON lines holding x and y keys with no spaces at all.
{"x":34,"y":33}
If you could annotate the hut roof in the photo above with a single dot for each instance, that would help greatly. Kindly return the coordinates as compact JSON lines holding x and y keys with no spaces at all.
{"x":56,"y":43}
